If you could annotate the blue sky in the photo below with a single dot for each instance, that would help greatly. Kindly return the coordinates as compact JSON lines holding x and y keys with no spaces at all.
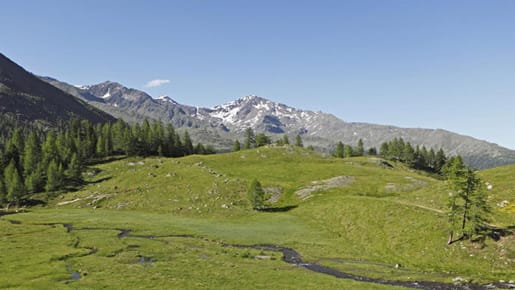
{"x":413,"y":63}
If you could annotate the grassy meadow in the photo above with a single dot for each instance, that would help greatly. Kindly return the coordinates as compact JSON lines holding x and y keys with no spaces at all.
{"x":167,"y":223}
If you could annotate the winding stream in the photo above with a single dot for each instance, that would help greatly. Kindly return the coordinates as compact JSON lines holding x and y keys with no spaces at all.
{"x":292,"y":257}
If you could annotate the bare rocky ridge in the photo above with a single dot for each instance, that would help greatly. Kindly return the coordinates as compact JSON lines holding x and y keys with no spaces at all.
{"x":224,"y":123}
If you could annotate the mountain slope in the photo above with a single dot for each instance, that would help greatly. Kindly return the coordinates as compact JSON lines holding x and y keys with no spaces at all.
{"x":224,"y":123}
{"x":325,"y":129}
{"x":31,"y":99}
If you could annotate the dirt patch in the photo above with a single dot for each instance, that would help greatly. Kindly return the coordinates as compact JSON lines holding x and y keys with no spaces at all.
{"x":335,"y":182}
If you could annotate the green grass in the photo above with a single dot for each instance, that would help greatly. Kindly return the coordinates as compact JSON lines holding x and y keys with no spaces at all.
{"x":384,"y":216}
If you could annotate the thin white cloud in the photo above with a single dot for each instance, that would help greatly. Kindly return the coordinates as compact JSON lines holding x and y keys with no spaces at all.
{"x":156,"y":83}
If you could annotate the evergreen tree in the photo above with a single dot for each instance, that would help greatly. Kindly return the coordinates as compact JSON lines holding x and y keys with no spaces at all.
{"x":188,"y":145}
{"x":3,"y":192}
{"x":49,"y":151}
{"x":13,"y":183}
{"x":75,"y":169}
{"x":408,"y":155}
{"x":347,"y":151}
{"x":298,"y":141}
{"x":13,"y":151}
{"x":100,"y":148}
{"x":262,"y":139}
{"x":372,"y":151}
{"x":468,"y":209}
{"x":108,"y":139}
{"x":236,"y":146}
{"x":286,"y":141}
{"x":34,"y":181}
{"x":256,"y":195}
{"x":54,"y":176}
{"x":32,"y":154}
{"x":440,"y":161}
{"x":339,"y":150}
{"x":384,"y":150}
{"x":199,"y":149}
{"x":250,"y":139}
{"x":360,"y":150}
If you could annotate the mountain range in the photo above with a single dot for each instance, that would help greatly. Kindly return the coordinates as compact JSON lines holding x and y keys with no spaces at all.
{"x":223,"y":124}
{"x":51,"y":100}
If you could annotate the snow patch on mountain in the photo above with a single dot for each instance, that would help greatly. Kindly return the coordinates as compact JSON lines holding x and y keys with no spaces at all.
{"x":107,"y":95}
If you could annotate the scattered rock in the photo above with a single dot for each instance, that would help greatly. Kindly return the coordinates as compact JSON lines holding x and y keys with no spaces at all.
{"x":335,"y":182}
{"x":262,"y":257}
{"x":397,"y":266}
{"x":152,"y":174}
{"x":131,"y":164}
{"x":459,"y":280}
{"x":225,"y":206}
{"x":503,"y":203}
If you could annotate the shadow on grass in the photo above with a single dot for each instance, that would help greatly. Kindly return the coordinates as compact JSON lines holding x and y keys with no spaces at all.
{"x":497,"y":233}
{"x":279,"y":209}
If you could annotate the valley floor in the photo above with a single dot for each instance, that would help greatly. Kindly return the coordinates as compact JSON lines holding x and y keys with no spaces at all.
{"x":186,"y":224}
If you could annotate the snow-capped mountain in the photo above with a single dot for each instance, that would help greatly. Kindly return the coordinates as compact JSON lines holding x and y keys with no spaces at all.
{"x":221,"y":125}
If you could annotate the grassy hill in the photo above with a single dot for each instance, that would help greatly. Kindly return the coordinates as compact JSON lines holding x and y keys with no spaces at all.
{"x":181,"y":223}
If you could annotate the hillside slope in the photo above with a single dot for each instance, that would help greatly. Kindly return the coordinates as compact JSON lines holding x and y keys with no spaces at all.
{"x":30,"y":98}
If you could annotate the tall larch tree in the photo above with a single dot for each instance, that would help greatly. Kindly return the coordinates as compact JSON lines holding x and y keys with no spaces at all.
{"x":14,"y":186}
{"x":468,"y":210}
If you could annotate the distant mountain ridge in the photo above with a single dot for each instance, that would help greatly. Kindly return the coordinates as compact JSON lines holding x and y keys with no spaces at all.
{"x":224,"y":123}
{"x":31,"y":99}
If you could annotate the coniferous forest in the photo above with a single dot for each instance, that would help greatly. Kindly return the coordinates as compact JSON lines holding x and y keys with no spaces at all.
{"x":35,"y":158}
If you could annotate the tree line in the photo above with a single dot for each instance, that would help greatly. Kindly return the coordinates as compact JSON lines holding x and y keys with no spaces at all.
{"x":34,"y":160}
{"x":417,"y":157}
{"x":253,"y":140}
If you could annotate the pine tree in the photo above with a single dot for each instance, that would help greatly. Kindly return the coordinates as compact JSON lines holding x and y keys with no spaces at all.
{"x":250,"y":139}
{"x":100,"y":148}
{"x":49,"y":151}
{"x":256,"y":195}
{"x":298,"y":141}
{"x":262,"y":139}
{"x":13,"y":183}
{"x":347,"y":151}
{"x":13,"y":149}
{"x":75,"y":169}
{"x":384,"y":150}
{"x":199,"y":149}
{"x":54,"y":177}
{"x":32,"y":154}
{"x":408,"y":155}
{"x":440,"y":161}
{"x":34,"y":181}
{"x":236,"y":146}
{"x":468,"y":209}
{"x":286,"y":141}
{"x":372,"y":151}
{"x":188,"y":144}
{"x":3,"y":192}
{"x":339,"y":150}
{"x":360,"y":150}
